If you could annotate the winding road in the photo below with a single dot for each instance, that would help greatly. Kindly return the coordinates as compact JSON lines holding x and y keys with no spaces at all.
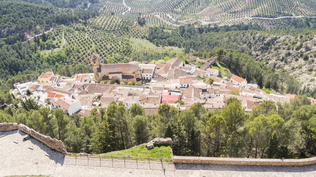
{"x":235,"y":19}
{"x":128,"y":8}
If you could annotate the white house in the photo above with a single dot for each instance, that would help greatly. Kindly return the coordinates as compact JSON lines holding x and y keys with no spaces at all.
{"x":69,"y":106}
{"x":190,"y":69}
{"x":212,"y":72}
{"x":148,"y":71}
{"x":236,"y":80}
{"x":21,"y":88}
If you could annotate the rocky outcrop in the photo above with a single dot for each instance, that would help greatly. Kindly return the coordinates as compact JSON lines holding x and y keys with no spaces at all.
{"x":48,"y":141}
{"x":158,"y":141}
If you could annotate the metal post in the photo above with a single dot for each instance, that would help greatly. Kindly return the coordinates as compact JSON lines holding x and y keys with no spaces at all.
{"x":136,"y":163}
{"x":124,"y":162}
{"x":100,"y":160}
{"x":149,"y":163}
{"x":76,"y":160}
{"x":112,"y":160}
{"x":88,"y":159}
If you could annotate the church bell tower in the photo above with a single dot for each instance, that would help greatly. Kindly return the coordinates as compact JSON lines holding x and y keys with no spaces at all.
{"x":96,"y":64}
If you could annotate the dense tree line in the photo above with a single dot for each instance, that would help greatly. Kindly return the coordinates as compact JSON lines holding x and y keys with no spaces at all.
{"x":19,"y":17}
{"x":266,"y":132}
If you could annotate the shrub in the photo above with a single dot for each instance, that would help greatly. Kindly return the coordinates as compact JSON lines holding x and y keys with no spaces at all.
{"x":129,"y":83}
{"x":312,"y":80}
{"x":310,"y":69}
{"x":305,"y":56}
{"x":102,"y":82}
{"x":122,"y":83}
{"x":180,"y":102}
{"x":136,"y":83}
{"x":108,"y":82}
{"x":296,"y":58}
{"x":266,"y":90}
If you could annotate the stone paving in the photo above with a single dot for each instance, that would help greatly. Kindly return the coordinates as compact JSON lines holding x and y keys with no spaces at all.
{"x":34,"y":158}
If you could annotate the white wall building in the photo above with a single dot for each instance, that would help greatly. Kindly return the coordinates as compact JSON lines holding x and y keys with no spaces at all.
{"x":236,"y":80}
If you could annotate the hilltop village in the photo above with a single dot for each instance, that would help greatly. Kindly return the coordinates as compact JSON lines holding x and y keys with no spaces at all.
{"x":149,"y":85}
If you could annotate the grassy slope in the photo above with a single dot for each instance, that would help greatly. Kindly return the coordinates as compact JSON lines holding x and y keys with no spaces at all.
{"x":140,"y":152}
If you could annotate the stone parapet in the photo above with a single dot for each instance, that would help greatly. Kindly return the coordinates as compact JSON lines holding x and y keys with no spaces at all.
{"x":48,"y":141}
{"x":243,"y":161}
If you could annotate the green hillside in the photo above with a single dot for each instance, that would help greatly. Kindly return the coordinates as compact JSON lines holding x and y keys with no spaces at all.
{"x":140,"y":152}
{"x":204,"y":11}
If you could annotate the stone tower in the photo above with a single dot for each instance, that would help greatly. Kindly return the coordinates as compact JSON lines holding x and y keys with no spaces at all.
{"x":96,"y":64}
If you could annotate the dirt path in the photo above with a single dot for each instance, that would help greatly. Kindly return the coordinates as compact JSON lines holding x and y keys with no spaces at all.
{"x":128,"y":8}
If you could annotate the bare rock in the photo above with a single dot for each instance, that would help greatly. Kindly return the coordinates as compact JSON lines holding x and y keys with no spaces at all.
{"x":158,"y":141}
{"x":27,"y":137}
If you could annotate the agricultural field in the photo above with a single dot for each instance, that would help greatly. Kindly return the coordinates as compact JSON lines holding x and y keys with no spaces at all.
{"x":221,"y":12}
{"x":123,"y":40}
{"x":142,"y":48}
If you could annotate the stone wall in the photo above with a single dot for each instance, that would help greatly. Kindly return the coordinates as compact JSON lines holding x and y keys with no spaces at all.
{"x":243,"y":161}
{"x":48,"y":141}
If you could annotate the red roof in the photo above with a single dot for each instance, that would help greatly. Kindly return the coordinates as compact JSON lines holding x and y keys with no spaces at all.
{"x":59,"y":96}
{"x":45,"y":75}
{"x":217,"y":79}
{"x":292,"y":96}
{"x":169,"y":98}
{"x":51,"y":94}
{"x":237,"y":79}
{"x":83,"y":77}
{"x":78,"y":77}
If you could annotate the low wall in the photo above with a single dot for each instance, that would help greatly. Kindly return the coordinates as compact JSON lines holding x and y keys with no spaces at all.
{"x":48,"y":141}
{"x":243,"y":161}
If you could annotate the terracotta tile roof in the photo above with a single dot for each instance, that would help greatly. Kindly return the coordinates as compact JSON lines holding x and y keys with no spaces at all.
{"x":121,"y":67}
{"x":175,"y":73}
{"x":208,"y":64}
{"x":84,"y":112}
{"x":65,"y":103}
{"x":164,"y":70}
{"x":45,"y":75}
{"x":187,"y":80}
{"x":199,"y":72}
{"x":51,"y":94}
{"x":175,"y":62}
{"x":217,"y":79}
{"x":84,"y":100}
{"x":159,"y":66}
{"x":169,"y":98}
{"x":292,"y":96}
{"x":187,"y":93}
{"x":147,"y":71}
{"x":83,"y":77}
{"x":237,"y":78}
{"x":252,"y":103}
{"x":228,"y":87}
{"x":59,"y":96}
{"x":106,"y":100}
{"x":34,"y":87}
{"x":151,"y":99}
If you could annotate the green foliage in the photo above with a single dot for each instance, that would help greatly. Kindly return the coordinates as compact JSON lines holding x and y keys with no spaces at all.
{"x":210,"y":81}
{"x":141,"y":129}
{"x":101,"y":82}
{"x":166,"y":58}
{"x":266,"y":90}
{"x":122,"y":83}
{"x":130,"y":83}
{"x":108,"y":82}
{"x":180,"y":102}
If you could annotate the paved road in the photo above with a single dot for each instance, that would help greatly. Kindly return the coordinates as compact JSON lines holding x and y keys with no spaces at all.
{"x":18,"y":159}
